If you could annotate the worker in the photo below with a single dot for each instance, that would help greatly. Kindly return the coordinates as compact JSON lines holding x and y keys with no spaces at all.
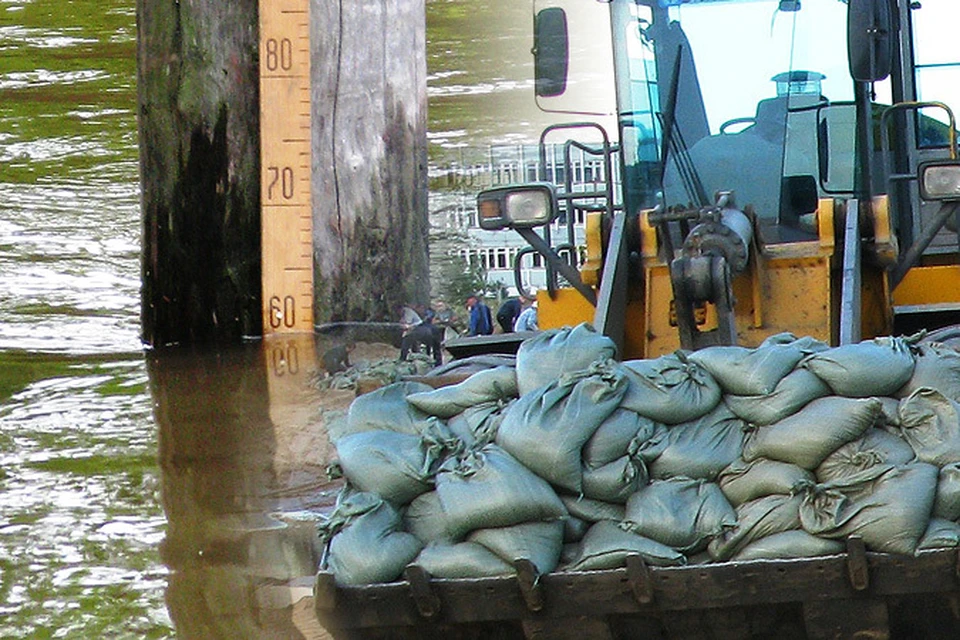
{"x":481,"y":321}
{"x":508,"y":313}
{"x":444,"y":313}
{"x":424,"y":333}
{"x":409,"y":317}
{"x":337,"y":359}
{"x":527,"y":320}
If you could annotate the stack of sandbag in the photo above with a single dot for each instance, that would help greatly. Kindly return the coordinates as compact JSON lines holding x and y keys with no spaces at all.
{"x":574,"y":460}
{"x":435,"y":487}
{"x":832,"y":461}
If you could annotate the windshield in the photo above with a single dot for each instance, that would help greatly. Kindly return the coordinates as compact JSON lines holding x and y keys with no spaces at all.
{"x":740,"y":47}
{"x":744,"y":84}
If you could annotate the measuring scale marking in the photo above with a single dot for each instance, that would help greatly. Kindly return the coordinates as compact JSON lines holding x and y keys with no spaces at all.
{"x":285,"y":175}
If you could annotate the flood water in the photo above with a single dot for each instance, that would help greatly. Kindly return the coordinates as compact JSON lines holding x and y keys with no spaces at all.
{"x":142,"y":494}
{"x":81,"y":520}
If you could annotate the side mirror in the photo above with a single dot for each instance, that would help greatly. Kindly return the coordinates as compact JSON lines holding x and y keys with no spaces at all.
{"x":836,"y":142}
{"x":869,"y":39}
{"x":551,"y":52}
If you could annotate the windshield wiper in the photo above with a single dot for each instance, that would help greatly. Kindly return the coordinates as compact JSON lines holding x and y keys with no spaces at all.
{"x":673,"y":139}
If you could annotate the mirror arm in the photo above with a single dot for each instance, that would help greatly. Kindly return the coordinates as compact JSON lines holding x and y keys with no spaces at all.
{"x":910,"y":258}
{"x":558,"y":263}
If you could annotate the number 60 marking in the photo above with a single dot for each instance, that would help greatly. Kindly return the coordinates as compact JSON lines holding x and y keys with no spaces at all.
{"x":283,"y":312}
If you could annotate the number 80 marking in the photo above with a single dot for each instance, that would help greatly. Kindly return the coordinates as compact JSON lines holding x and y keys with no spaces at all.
{"x":279,"y":54}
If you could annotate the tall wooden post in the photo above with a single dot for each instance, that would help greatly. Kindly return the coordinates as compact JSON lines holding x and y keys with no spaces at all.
{"x":370,"y":162}
{"x":200,"y":165}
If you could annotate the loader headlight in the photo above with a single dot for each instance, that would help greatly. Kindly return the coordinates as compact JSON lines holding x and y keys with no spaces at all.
{"x":525,"y":206}
{"x":940,"y":180}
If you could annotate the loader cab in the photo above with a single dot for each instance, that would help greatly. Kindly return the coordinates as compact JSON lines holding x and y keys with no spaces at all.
{"x":743,"y":94}
{"x":756,"y":97}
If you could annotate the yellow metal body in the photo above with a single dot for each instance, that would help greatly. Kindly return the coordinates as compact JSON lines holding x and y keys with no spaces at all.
{"x":566,"y":308}
{"x":593,"y":260}
{"x":927,"y":285}
{"x":791,"y":287}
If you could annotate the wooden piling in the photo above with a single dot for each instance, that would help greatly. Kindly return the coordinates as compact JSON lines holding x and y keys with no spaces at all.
{"x":370,"y":161}
{"x":199,"y":164}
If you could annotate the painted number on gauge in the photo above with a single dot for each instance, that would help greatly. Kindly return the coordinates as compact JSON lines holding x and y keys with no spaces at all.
{"x":279,"y":54}
{"x":281,"y":182}
{"x":283,"y":311}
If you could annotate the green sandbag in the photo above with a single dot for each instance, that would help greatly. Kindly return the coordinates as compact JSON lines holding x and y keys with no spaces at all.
{"x":385,"y":462}
{"x":398,"y":466}
{"x":489,"y":488}
{"x":755,"y":520}
{"x":878,"y":367}
{"x":938,"y":367}
{"x":424,"y":517}
{"x":891,"y":411}
{"x":569,"y":554}
{"x":875,"y":447}
{"x":461,"y":560}
{"x":477,"y":426}
{"x":607,"y":545}
{"x":793,"y":393}
{"x":698,"y":449}
{"x":593,"y":510}
{"x":473,"y":364}
{"x":789,"y":544}
{"x":620,"y":434}
{"x":940,"y":534}
{"x":930,"y":422}
{"x":545,"y":357}
{"x":681,"y":513}
{"x":615,"y":481}
{"x":744,"y":481}
{"x":890,"y":512}
{"x":490,"y":385}
{"x":365,"y":543}
{"x":547,"y":428}
{"x":538,"y":542}
{"x":947,"y":503}
{"x":748,"y":372}
{"x":669,"y":389}
{"x":814,"y":432}
{"x":385,"y":409}
{"x":805,"y":344}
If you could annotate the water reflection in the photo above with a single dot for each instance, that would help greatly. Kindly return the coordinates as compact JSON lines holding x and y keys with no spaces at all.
{"x":235,"y":429}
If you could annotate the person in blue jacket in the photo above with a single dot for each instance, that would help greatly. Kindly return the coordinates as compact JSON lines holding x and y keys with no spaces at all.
{"x":481,"y":320}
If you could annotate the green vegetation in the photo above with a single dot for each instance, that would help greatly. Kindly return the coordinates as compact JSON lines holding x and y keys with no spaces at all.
{"x":96,"y":465}
{"x":460,"y":279}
